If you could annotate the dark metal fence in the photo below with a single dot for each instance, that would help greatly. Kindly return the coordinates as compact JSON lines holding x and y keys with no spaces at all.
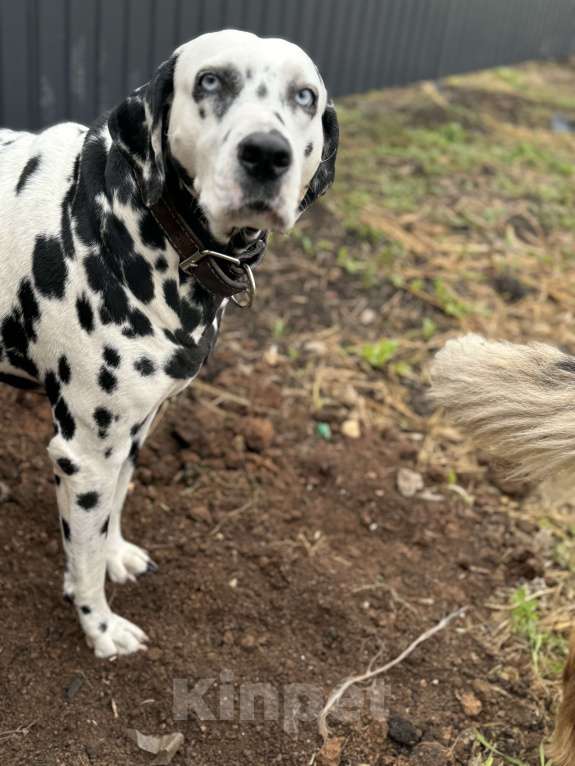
{"x":71,"y":59}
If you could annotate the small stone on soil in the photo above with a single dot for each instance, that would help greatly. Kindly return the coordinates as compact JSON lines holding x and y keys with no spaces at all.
{"x":73,"y":688}
{"x":429,"y":754}
{"x":248,"y":642}
{"x":200,"y":513}
{"x":5,"y":493}
{"x":470,"y":703}
{"x":409,"y":482}
{"x":258,"y":433}
{"x":402,"y":731}
{"x":351,"y":429}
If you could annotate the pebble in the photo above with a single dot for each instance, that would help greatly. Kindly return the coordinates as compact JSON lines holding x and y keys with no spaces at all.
{"x":403,"y":731}
{"x":53,"y":547}
{"x":200,"y":513}
{"x":351,"y":429}
{"x":429,"y":754}
{"x":258,"y":433}
{"x":5,"y":493}
{"x":248,"y":642}
{"x":73,"y":687}
{"x":271,"y":356}
{"x":409,"y":482}
{"x":470,"y":703}
{"x":367,"y":316}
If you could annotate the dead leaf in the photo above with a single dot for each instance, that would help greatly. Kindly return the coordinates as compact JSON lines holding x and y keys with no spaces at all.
{"x":163,"y":747}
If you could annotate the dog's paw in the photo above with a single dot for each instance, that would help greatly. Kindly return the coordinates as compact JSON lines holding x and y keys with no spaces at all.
{"x":114,"y":635}
{"x":125,"y":561}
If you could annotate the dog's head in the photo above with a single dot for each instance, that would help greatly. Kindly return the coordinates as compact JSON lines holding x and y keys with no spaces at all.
{"x":244,"y":120}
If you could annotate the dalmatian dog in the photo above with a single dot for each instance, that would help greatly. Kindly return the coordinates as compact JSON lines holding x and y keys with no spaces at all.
{"x":121,"y":244}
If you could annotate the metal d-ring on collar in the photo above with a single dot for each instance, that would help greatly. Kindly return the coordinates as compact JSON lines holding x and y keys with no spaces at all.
{"x":191,"y":262}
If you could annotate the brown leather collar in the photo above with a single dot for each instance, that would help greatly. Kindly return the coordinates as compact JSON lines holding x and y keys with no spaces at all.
{"x":225,"y":272}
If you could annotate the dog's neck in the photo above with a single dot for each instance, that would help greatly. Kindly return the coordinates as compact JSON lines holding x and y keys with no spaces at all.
{"x":223,"y":269}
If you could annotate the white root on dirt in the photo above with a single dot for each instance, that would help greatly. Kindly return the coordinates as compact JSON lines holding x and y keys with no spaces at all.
{"x":341,"y":689}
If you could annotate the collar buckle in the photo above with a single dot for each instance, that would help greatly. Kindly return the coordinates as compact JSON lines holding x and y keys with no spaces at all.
{"x":243,"y":298}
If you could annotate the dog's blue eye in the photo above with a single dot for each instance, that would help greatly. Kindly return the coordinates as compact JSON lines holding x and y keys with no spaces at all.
{"x":305,"y":97}
{"x":210,"y":82}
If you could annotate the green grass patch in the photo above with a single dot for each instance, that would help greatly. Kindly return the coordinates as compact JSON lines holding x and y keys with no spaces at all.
{"x":377,"y":354}
{"x":548,"y":650}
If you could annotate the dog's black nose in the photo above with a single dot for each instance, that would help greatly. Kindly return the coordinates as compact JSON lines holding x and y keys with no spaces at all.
{"x":265,"y":156}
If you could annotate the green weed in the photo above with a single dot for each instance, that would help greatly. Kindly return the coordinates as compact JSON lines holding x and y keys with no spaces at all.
{"x":378,"y":354}
{"x":548,"y":650}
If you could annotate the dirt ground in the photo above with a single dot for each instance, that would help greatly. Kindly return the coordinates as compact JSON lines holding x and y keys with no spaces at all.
{"x":307,"y":509}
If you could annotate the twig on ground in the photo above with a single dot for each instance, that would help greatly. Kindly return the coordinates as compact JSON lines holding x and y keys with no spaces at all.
{"x":388,"y":589}
{"x":24,"y":730}
{"x":231,"y":515}
{"x":340,"y":690}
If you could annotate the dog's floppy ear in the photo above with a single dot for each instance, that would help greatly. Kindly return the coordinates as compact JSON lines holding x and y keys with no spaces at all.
{"x":137,"y":127}
{"x":325,"y":174}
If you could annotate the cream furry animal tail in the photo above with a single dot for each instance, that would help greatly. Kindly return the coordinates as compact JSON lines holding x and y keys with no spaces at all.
{"x":516,"y":401}
{"x":519,"y":403}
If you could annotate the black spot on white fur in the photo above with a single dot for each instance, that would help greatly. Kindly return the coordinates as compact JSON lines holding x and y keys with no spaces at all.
{"x":64,"y":419}
{"x":29,"y":308}
{"x":66,"y":530}
{"x":114,"y":307}
{"x":67,"y":466}
{"x":138,"y":325}
{"x":49,"y":268}
{"x":139,"y":278}
{"x":88,"y":500}
{"x":134,"y":451}
{"x":144,"y":366}
{"x":111,"y":356}
{"x":172,"y":295}
{"x":161,"y":264}
{"x":29,"y":169}
{"x":64,"y":371}
{"x":85,"y":314}
{"x":107,"y":381}
{"x":52,"y":387}
{"x":231,"y":84}
{"x":103,"y":419}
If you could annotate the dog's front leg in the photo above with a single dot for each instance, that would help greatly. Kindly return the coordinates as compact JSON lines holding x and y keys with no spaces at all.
{"x":126,"y":561}
{"x":86,"y":488}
